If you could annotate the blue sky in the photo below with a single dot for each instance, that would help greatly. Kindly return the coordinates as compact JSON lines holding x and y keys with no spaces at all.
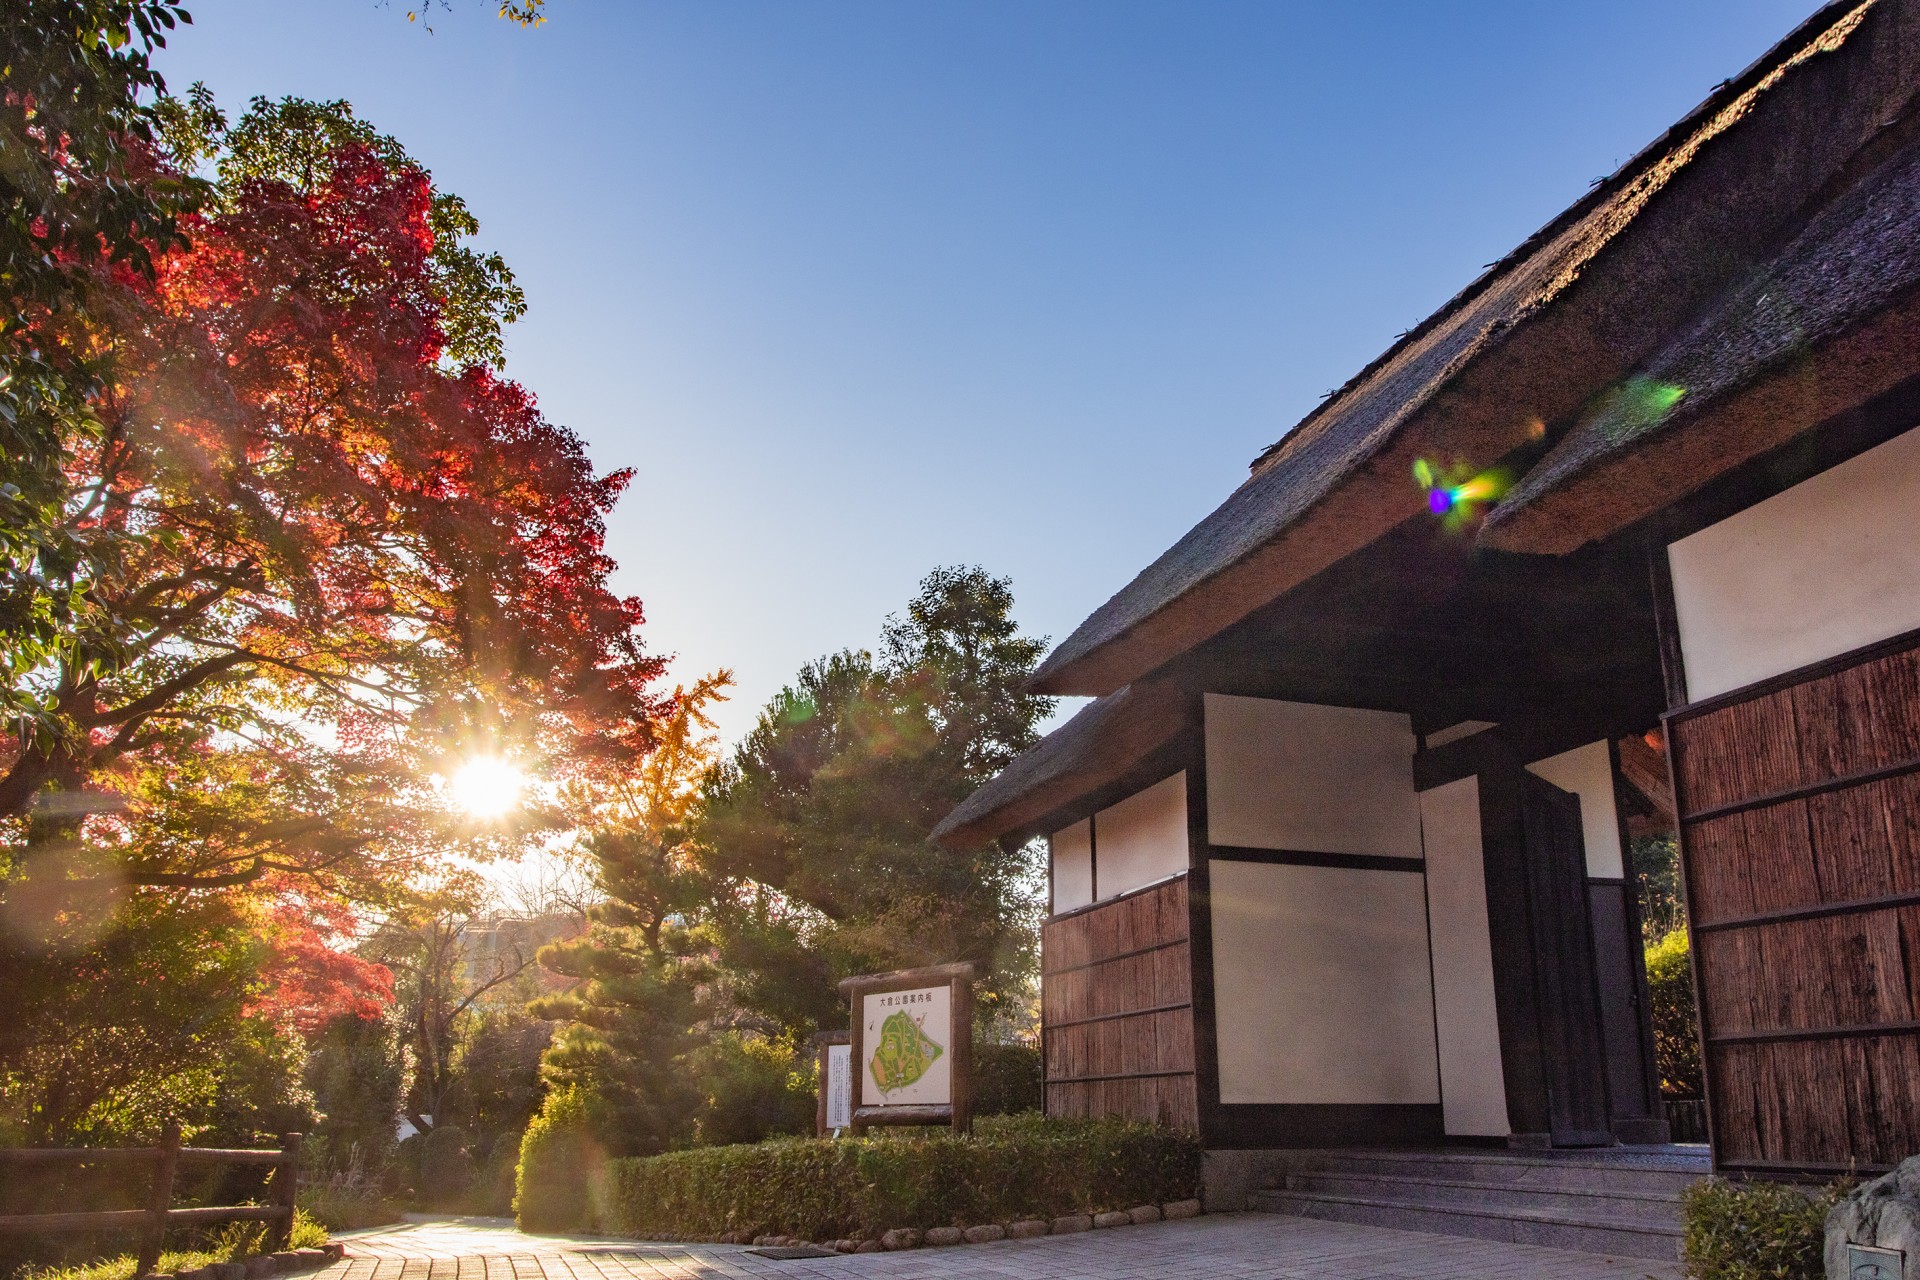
{"x":862,"y":288}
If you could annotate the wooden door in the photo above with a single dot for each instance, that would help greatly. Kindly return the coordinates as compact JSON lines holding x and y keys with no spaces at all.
{"x":1573,"y":1042}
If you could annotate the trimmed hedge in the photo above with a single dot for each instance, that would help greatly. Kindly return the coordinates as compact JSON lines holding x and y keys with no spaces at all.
{"x":559,"y":1160}
{"x":819,"y":1189}
{"x":1754,"y":1230}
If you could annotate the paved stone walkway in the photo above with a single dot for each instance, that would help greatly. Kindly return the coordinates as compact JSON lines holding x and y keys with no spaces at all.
{"x":1261,"y":1245}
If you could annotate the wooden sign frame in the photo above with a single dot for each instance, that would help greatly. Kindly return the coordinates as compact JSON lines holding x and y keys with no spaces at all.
{"x":960,"y":978}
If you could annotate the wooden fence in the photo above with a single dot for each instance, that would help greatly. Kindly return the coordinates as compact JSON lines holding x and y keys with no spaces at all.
{"x":1799,"y":803}
{"x":152,"y":1222}
{"x":1117,"y":1008}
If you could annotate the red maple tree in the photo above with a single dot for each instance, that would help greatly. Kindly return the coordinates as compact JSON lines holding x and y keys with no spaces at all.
{"x":347,"y":562}
{"x":311,"y":975}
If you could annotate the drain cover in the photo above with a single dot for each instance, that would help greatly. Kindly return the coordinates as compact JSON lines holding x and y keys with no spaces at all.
{"x":785,"y":1251}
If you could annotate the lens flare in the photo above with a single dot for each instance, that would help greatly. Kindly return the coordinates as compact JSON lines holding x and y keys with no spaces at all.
{"x":1637,"y":405}
{"x":1456,"y":493}
{"x":486,"y":787}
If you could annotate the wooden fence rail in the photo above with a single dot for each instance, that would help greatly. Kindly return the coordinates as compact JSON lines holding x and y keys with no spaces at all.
{"x":164,"y":1160}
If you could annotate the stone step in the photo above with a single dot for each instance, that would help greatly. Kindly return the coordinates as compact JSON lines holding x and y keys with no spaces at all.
{"x":1656,"y":1173}
{"x":1587,"y":1233}
{"x":1651,"y":1208}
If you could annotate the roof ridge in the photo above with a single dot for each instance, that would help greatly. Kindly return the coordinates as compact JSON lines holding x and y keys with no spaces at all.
{"x":1820,"y":32}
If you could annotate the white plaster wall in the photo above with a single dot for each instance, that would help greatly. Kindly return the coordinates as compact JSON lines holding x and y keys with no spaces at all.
{"x":1291,"y":775}
{"x":1827,"y":566}
{"x":1588,"y":773}
{"x":1143,"y":838}
{"x":1321,"y":985}
{"x":1473,"y":1091}
{"x":1072,"y":866}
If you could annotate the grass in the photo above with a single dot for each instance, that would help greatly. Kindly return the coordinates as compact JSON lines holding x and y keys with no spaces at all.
{"x":232,"y":1243}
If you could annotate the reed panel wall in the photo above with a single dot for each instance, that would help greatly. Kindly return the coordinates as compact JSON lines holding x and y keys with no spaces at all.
{"x":1799,"y":803}
{"x":1116,"y":1008}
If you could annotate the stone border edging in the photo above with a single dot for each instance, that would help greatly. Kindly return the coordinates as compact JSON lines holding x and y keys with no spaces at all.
{"x":985,"y":1233}
{"x":262,"y":1265}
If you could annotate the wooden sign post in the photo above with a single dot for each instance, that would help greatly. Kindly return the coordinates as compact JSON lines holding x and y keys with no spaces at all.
{"x":912,"y":1033}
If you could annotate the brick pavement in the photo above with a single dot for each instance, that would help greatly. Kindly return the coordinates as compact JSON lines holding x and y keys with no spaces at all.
{"x":1216,"y":1247}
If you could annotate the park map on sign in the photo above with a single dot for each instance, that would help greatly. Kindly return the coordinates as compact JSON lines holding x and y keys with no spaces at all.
{"x":904,"y":1053}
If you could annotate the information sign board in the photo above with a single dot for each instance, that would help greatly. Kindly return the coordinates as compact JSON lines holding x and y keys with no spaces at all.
{"x":912,"y":1058}
{"x":906,"y":1038}
{"x":839,"y":1087}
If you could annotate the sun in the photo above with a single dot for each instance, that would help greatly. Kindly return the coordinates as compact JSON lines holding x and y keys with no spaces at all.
{"x":486,"y":787}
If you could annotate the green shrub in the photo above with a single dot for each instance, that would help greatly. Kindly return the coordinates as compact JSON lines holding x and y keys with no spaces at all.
{"x":559,"y":1159}
{"x":755,"y":1088}
{"x":1676,"y":1038}
{"x":490,"y":1190}
{"x":308,"y":1232}
{"x":818,"y":1189}
{"x":1754,"y":1230}
{"x":231,"y":1242}
{"x":445,"y":1168}
{"x":1007,"y":1079}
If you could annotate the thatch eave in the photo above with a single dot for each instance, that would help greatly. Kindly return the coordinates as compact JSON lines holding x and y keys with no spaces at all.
{"x":1045,"y":787}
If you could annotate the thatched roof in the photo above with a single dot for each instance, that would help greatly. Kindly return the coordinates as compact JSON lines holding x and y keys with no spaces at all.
{"x":1571,"y":312}
{"x":1761,"y":260}
{"x":1109,"y":738}
{"x":1828,"y":324}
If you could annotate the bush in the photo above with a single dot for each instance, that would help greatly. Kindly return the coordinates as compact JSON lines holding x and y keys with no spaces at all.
{"x":1754,"y":1230}
{"x":490,"y":1191}
{"x":308,"y":1232}
{"x":755,"y":1088}
{"x":346,"y":1201}
{"x":1676,"y":1039}
{"x":559,"y":1159}
{"x":1007,"y":1079}
{"x":818,"y":1189}
{"x":444,"y":1166}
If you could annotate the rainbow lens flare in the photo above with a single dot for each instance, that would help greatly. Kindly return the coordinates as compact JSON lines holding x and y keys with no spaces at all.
{"x":1456,"y":493}
{"x":1635,"y":406}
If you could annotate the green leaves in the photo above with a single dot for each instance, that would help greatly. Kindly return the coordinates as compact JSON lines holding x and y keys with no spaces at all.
{"x":821,"y":818}
{"x":1676,"y":1031}
{"x":1754,"y":1230}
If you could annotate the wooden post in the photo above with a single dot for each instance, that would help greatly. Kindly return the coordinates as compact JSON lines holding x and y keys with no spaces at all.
{"x":962,"y":1119}
{"x":159,"y":1200}
{"x":286,"y":1188}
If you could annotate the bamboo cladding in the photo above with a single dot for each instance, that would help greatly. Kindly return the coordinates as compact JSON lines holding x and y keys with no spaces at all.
{"x":1116,"y":1009}
{"x":1169,"y":1100}
{"x":1840,"y":724}
{"x":1816,"y":1105}
{"x":1800,"y":829}
{"x":1148,"y":917}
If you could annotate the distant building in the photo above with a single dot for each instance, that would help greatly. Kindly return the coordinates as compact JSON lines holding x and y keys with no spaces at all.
{"x":505,"y":946}
{"x":1337,"y":854}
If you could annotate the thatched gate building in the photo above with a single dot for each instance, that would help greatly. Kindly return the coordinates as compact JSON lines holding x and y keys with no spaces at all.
{"x":1337,"y":854}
